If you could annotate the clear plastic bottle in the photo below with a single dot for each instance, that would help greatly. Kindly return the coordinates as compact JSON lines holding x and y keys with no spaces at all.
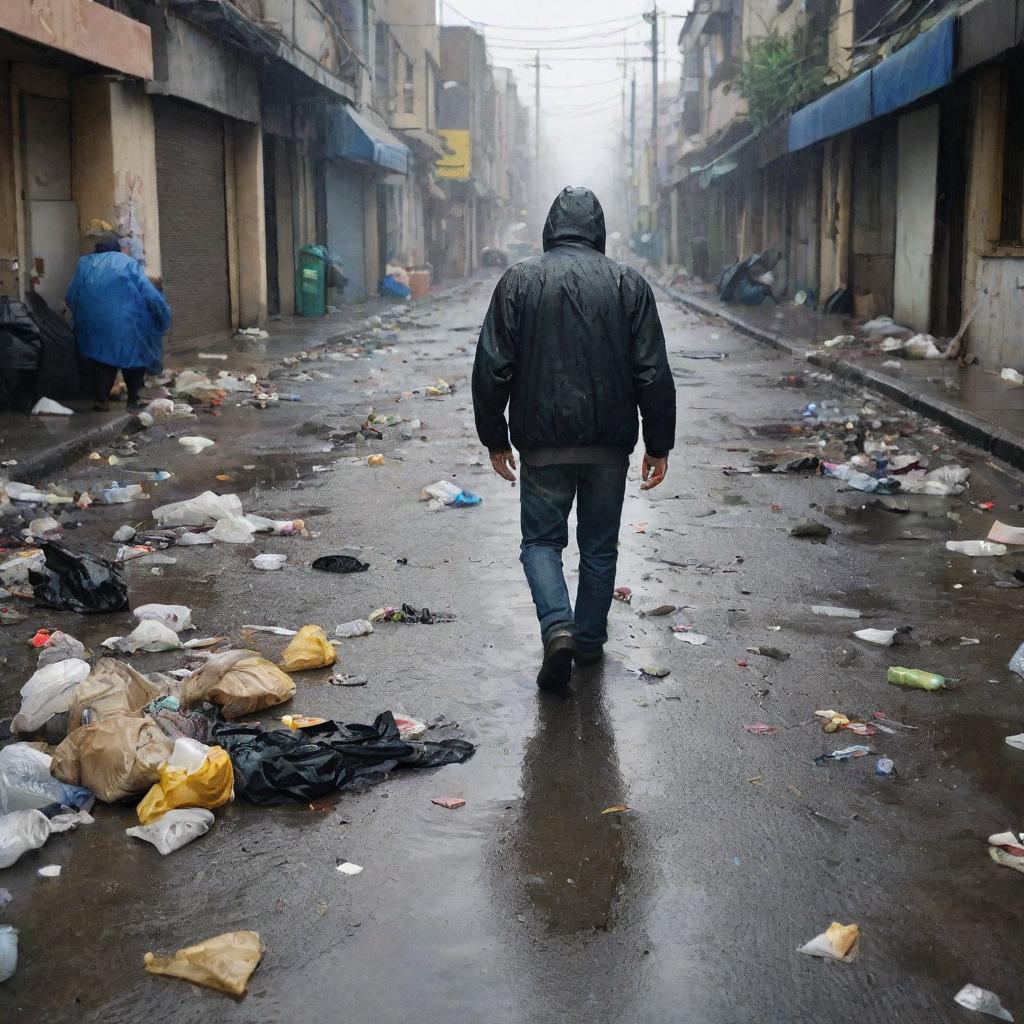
{"x":916,"y":678}
{"x":975,"y":548}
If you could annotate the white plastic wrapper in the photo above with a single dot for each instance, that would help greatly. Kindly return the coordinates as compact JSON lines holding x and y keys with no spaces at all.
{"x":357,"y":627}
{"x":882,"y":637}
{"x":21,"y":831}
{"x":174,"y":829}
{"x":175,"y":616}
{"x":50,"y":691}
{"x":233,"y":530}
{"x":269,"y":562}
{"x":203,"y":510}
{"x":149,"y":635}
{"x":971,"y":997}
{"x":8,"y":951}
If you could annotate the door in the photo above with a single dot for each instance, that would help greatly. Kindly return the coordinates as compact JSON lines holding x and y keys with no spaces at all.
{"x":346,"y":225}
{"x":52,"y":216}
{"x":191,"y":198}
{"x":270,"y":223}
{"x":916,"y":177}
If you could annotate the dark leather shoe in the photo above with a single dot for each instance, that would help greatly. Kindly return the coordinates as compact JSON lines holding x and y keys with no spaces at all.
{"x":587,"y":658}
{"x":556,"y":670}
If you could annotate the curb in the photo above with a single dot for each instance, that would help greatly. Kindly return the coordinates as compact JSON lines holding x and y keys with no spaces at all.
{"x":1003,"y":444}
{"x":49,"y":460}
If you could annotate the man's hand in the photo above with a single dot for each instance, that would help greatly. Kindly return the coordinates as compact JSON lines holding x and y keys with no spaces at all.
{"x":651,"y":473}
{"x":503,"y":463}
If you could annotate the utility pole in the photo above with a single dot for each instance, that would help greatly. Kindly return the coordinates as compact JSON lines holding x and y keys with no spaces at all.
{"x":654,"y":75}
{"x":536,"y":118}
{"x":632,"y":128}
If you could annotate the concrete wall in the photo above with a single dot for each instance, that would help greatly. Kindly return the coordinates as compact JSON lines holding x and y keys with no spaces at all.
{"x":10,"y":247}
{"x":835,"y":214}
{"x":995,"y":332}
{"x":246,"y":215}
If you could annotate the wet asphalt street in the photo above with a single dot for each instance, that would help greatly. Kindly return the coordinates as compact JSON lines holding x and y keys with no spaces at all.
{"x":528,"y":904}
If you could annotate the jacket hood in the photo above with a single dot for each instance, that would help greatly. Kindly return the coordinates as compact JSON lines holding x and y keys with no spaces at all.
{"x":575,"y":216}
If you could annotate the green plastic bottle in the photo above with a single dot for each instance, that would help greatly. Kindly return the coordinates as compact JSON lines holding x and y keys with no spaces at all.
{"x":916,"y":678}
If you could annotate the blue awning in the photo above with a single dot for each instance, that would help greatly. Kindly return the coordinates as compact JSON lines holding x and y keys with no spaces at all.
{"x":351,"y":136}
{"x":837,"y":111}
{"x":921,"y":67}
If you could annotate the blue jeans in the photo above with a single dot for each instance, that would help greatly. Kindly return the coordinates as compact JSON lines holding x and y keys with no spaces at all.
{"x":546,"y":497}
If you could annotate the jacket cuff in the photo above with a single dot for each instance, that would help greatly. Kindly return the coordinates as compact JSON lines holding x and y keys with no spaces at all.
{"x":657,"y":453}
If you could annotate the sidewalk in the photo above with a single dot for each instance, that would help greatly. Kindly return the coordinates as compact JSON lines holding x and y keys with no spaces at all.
{"x":973,"y":402}
{"x":41,"y":445}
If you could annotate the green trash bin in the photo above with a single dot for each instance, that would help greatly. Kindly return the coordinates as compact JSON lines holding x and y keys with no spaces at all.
{"x":312,"y":281}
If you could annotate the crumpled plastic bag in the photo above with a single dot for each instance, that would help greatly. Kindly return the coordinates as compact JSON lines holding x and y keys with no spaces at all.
{"x":59,"y":647}
{"x":837,"y":942}
{"x":239,"y":682}
{"x":49,"y":691}
{"x":76,"y":581}
{"x":8,"y":951}
{"x":148,"y":635}
{"x":175,"y":829}
{"x":225,"y":962}
{"x":26,"y":782}
{"x":113,"y":689}
{"x":308,"y":649}
{"x":116,"y":759}
{"x":21,"y":831}
{"x":233,"y":530}
{"x":203,"y":510}
{"x":185,"y":783}
{"x":981,"y":1000}
{"x":174,"y":616}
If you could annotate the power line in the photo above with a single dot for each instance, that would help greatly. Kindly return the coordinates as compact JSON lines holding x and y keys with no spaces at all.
{"x":540,"y":28}
{"x":568,"y":39}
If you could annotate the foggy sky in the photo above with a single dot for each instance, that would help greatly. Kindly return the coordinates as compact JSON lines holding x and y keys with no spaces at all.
{"x":581,"y":88}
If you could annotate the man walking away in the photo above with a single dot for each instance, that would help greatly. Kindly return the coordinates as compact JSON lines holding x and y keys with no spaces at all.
{"x":573,"y":345}
{"x":119,"y":319}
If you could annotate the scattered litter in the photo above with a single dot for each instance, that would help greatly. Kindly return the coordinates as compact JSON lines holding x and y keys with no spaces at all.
{"x":8,"y":951}
{"x":276,"y":630}
{"x":1011,"y":376}
{"x":980,"y":999}
{"x":835,"y":611}
{"x":858,"y":750}
{"x":1007,"y":849}
{"x":1016,"y":664}
{"x":767,"y":651}
{"x":76,"y":581}
{"x":357,"y":627}
{"x":339,"y":564}
{"x":195,"y":775}
{"x":884,"y":766}
{"x":662,"y":609}
{"x":375,"y":460}
{"x":453,"y":803}
{"x":149,"y":635}
{"x":693,"y":639}
{"x":301,"y":721}
{"x":233,"y":530}
{"x":760,"y":729}
{"x":348,"y":868}
{"x":308,"y":649}
{"x":49,"y":691}
{"x":48,"y":407}
{"x":175,"y":616}
{"x":224,"y":962}
{"x":269,"y":562}
{"x":44,"y":527}
{"x":120,"y":494}
{"x":445,"y":493}
{"x":810,"y":528}
{"x":239,"y":683}
{"x":1003,"y":534}
{"x":1017,"y":742}
{"x":203,"y":510}
{"x":343,"y":680}
{"x":659,"y":671}
{"x":976,"y":548}
{"x":410,"y":728}
{"x":21,"y":831}
{"x":882,"y":637}
{"x":617,"y":809}
{"x":915,"y":678}
{"x":49,"y":871}
{"x":274,"y":766}
{"x":220,"y":356}
{"x":177,"y":828}
{"x":623,"y":594}
{"x":194,"y":445}
{"x":408,"y":614}
{"x":838,"y":942}
{"x":124,"y":534}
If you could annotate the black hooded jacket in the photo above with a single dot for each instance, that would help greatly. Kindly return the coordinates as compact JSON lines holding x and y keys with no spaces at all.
{"x":573,"y":344}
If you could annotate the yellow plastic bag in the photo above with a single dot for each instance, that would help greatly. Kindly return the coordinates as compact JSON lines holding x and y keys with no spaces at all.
{"x":225,"y":962}
{"x":210,"y":785}
{"x":310,"y":648}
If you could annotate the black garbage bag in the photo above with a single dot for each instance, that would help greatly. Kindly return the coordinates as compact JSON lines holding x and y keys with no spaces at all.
{"x":75,"y":581}
{"x":276,"y":765}
{"x":58,"y":375}
{"x":340,"y":563}
{"x":20,"y":346}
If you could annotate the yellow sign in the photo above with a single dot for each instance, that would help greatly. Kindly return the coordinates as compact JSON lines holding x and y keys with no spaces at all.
{"x":455,"y":165}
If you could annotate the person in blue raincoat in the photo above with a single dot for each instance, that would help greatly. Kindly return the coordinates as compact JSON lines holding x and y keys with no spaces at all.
{"x":120,"y":319}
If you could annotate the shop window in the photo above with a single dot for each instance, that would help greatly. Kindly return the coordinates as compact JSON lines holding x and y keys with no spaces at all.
{"x":409,"y":89}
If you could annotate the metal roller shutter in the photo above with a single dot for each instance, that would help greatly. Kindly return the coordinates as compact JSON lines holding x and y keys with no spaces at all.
{"x":193,"y":220}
